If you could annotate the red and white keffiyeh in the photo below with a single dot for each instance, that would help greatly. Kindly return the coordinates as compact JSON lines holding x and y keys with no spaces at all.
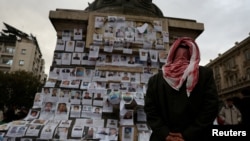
{"x":182,"y":64}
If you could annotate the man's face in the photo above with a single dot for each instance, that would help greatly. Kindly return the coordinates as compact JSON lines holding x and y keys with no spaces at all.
{"x":48,"y":107}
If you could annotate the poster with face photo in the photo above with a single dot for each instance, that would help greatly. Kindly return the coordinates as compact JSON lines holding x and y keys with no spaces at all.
{"x":65,"y":123}
{"x":115,"y":76}
{"x":76,"y":58}
{"x":108,"y":60}
{"x":116,"y":59}
{"x":127,"y":133}
{"x":88,"y":73}
{"x":99,"y":22}
{"x":33,"y":114}
{"x":51,"y":82}
{"x":62,"y":111}
{"x":86,"y":111}
{"x":109,"y":31}
{"x":75,"y":111}
{"x":46,"y":91}
{"x":113,"y":134}
{"x":135,"y":77}
{"x":101,"y":60}
{"x":108,"y":45}
{"x":159,"y":43}
{"x":84,"y":85}
{"x":151,"y":34}
{"x":153,"y":55}
{"x":112,"y":20}
{"x":47,"y":131}
{"x":97,"y":39}
{"x":124,"y":86}
{"x":125,"y":77}
{"x":120,"y":33}
{"x":64,"y":95}
{"x":76,"y":97}
{"x":65,"y":83}
{"x":77,"y":34}
{"x":75,"y":83}
{"x":130,"y":61}
{"x":132,"y":87}
{"x":165,"y":36}
{"x":89,"y":132}
{"x":33,"y":130}
{"x":60,"y":45}
{"x":38,"y":100}
{"x":54,"y":94}
{"x":139,"y":98}
{"x":61,"y":133}
{"x":112,"y":123}
{"x":48,"y":111}
{"x":54,"y":72}
{"x":129,"y":36}
{"x":94,"y":51}
{"x":77,"y":131}
{"x":102,"y":133}
{"x":163,"y":56}
{"x":57,"y":60}
{"x":119,"y":44}
{"x":127,"y":117}
{"x":66,"y":58}
{"x":98,"y":99}
{"x":96,"y":112}
{"x":157,"y":25}
{"x":87,"y":98}
{"x":66,"y":35}
{"x":79,"y":47}
{"x":147,"y":44}
{"x":16,"y":131}
{"x":127,"y":48}
{"x":142,"y":127}
{"x":107,"y":106}
{"x":70,"y":46}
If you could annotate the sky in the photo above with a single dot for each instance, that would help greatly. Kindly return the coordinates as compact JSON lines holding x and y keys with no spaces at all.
{"x":225,"y":21}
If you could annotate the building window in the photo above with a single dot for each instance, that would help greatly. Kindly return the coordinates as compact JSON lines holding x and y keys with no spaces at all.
{"x":7,"y":61}
{"x":247,"y":55}
{"x":10,"y":50}
{"x":230,"y":64}
{"x":21,"y":62}
{"x":23,"y":51}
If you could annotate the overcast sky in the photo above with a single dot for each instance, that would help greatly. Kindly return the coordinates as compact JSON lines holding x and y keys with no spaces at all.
{"x":225,"y":21}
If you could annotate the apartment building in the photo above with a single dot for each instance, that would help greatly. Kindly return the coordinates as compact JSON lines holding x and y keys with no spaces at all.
{"x":20,"y":51}
{"x":232,"y":69}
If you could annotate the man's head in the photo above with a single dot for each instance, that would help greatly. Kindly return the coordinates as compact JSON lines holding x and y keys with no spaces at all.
{"x":229,"y":102}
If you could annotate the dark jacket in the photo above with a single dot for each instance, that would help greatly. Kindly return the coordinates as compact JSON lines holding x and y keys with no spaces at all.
{"x":169,"y":110}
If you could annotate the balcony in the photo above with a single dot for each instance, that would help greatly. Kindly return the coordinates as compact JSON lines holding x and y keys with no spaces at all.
{"x":234,"y":88}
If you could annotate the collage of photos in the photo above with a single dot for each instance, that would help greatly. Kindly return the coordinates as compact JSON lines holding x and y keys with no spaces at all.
{"x":77,"y":96}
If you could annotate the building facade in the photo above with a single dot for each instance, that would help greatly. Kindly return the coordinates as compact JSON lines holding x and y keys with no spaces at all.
{"x":20,"y":51}
{"x":232,"y":70}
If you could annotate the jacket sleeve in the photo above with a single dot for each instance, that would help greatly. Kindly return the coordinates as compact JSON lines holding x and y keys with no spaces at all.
{"x":154,"y":119}
{"x":209,"y":109}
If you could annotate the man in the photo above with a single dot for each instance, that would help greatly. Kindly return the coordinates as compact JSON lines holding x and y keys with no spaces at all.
{"x":87,"y":96}
{"x":229,"y":113}
{"x":181,"y":101}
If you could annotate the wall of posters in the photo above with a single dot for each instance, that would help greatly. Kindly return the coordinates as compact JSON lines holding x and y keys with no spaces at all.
{"x":94,"y":81}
